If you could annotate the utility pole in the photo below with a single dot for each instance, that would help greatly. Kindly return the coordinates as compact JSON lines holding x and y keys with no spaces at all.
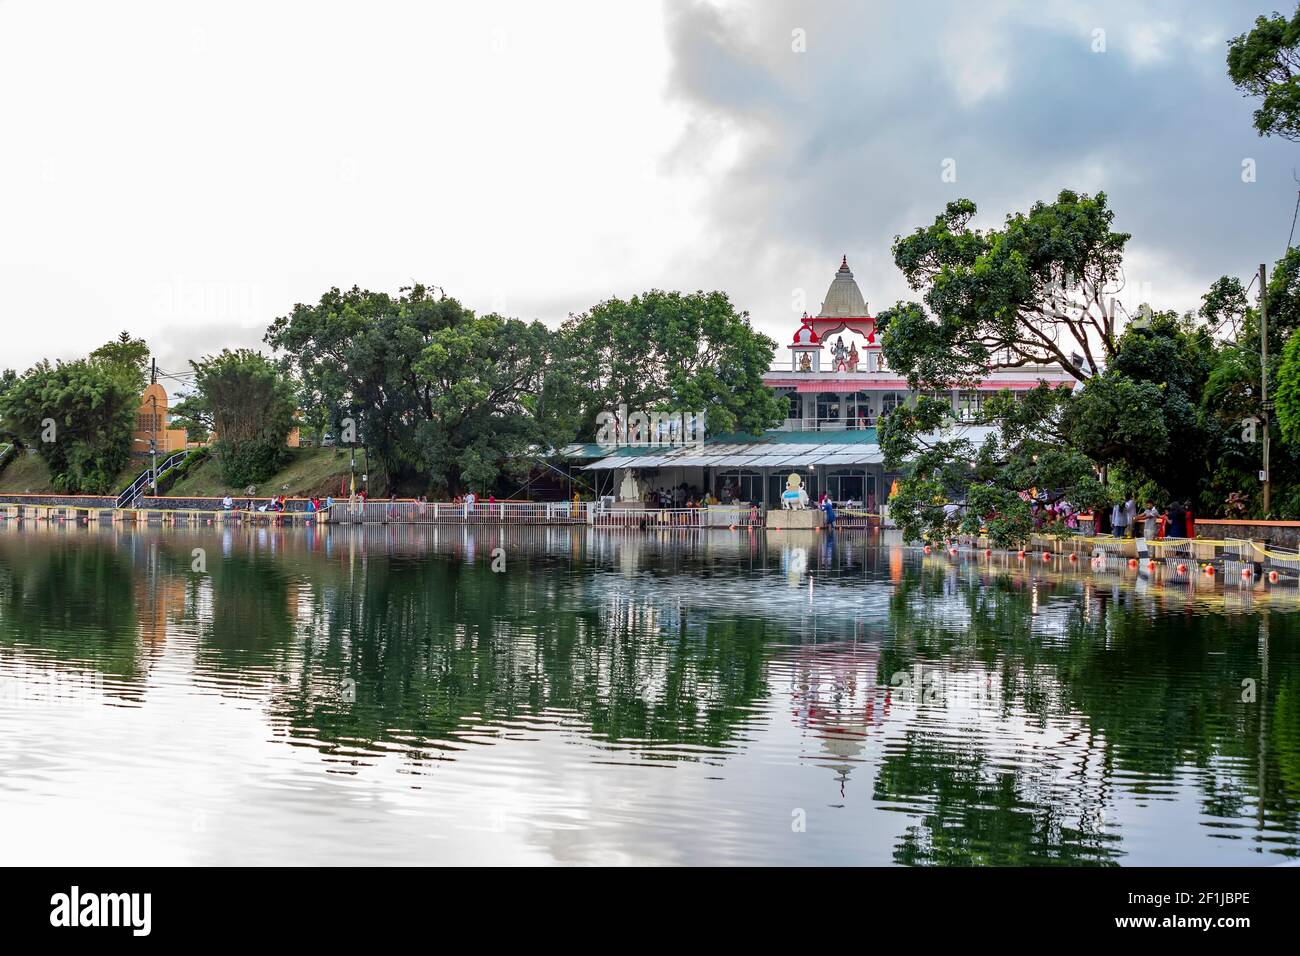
{"x":1263,"y":390}
{"x":153,"y":445}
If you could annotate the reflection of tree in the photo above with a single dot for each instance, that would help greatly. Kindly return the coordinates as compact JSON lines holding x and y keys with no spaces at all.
{"x":253,"y":609}
{"x":72,"y":599}
{"x":498,"y":650}
{"x":981,"y":813}
{"x":1153,"y":694}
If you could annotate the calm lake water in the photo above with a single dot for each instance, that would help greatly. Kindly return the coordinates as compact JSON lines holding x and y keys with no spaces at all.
{"x":374,"y":695}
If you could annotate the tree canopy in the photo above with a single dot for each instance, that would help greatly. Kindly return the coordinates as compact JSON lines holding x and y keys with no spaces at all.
{"x":127,"y":356}
{"x":79,"y":417}
{"x":440,"y":397}
{"x":1263,"y":63}
{"x":673,"y":352}
{"x":1035,"y":292}
{"x":251,"y":402}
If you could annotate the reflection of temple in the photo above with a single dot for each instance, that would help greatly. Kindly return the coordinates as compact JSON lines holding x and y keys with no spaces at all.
{"x":837,"y":703}
{"x":159,"y":600}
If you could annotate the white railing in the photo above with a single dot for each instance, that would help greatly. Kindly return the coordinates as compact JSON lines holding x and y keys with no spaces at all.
{"x":659,"y":519}
{"x":835,"y":424}
{"x":407,"y":511}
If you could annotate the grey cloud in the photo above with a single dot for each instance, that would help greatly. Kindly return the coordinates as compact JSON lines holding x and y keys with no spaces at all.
{"x":840,"y":148}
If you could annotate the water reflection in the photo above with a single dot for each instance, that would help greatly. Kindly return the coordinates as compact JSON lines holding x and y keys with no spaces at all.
{"x":917,"y":710}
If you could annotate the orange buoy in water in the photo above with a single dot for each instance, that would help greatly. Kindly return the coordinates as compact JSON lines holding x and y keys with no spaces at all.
{"x":1151,"y":565}
{"x":1272,"y":577}
{"x":1047,"y":556}
{"x":988,"y":552}
{"x":1182,"y":569}
{"x":1132,"y":562}
{"x":1020,"y":555}
{"x":1074,"y":557}
{"x":1209,"y":569}
{"x":1245,"y":572}
{"x":952,"y":551}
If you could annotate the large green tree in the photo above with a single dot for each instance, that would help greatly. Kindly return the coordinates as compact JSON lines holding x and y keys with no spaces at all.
{"x":435,"y":394}
{"x":1035,"y":292}
{"x":251,"y":402}
{"x":355,"y":353}
{"x":79,"y":417}
{"x":1264,"y":63}
{"x":128,"y":356}
{"x":497,"y":400}
{"x":673,"y":352}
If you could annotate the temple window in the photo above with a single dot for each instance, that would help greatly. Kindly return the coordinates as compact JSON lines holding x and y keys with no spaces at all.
{"x":970,"y":405}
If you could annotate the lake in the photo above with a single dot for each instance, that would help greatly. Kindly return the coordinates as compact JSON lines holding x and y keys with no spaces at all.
{"x":439,"y":695}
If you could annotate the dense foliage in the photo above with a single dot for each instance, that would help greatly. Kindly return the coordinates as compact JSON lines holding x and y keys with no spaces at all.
{"x":251,"y":402}
{"x":442,"y":399}
{"x":1263,"y":63}
{"x":677,"y":353}
{"x":1168,"y":416}
{"x":79,"y":417}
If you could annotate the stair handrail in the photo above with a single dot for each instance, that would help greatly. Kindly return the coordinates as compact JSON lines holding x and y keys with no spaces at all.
{"x":146,"y":478}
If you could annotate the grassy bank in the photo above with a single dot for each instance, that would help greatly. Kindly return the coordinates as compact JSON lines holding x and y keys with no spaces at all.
{"x":27,"y":475}
{"x":310,"y":471}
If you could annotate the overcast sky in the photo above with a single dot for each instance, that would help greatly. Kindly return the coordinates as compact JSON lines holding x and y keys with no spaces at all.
{"x":190,"y":172}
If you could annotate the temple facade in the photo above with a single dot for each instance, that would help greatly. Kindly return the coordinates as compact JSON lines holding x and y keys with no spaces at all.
{"x":836,"y":378}
{"x":838,"y":387}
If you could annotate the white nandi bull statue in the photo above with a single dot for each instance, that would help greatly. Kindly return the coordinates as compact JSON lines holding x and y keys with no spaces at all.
{"x":794,"y":498}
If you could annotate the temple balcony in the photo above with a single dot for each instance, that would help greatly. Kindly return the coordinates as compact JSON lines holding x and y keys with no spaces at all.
{"x":835,"y":424}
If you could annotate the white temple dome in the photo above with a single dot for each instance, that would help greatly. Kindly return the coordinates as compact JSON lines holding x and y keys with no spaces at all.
{"x":844,"y":298}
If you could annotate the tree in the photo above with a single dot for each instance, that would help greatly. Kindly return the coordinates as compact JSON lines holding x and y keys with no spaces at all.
{"x":1032,"y":293}
{"x":129,"y":357}
{"x":1287,"y":394}
{"x":1232,"y":392}
{"x":193,"y":414}
{"x":673,"y":352}
{"x":492,"y":403}
{"x":355,"y":353}
{"x":8,"y":378}
{"x":78,"y":416}
{"x":251,"y":402}
{"x":1027,"y":450}
{"x":1263,"y":63}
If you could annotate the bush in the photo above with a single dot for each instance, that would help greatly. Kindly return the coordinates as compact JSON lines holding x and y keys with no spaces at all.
{"x":174,"y":474}
{"x":250,"y":463}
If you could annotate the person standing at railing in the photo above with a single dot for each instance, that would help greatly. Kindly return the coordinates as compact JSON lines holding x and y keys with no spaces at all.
{"x":1151,"y":521}
{"x":828,"y":509}
{"x":1176,"y":520}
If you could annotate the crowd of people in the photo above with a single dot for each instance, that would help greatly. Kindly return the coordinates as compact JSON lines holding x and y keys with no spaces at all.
{"x":684,"y":496}
{"x":1124,"y":519}
{"x":276,"y":505}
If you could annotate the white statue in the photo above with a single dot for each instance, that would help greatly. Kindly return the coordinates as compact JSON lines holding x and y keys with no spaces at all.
{"x":794,"y":498}
{"x":630,"y":489}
